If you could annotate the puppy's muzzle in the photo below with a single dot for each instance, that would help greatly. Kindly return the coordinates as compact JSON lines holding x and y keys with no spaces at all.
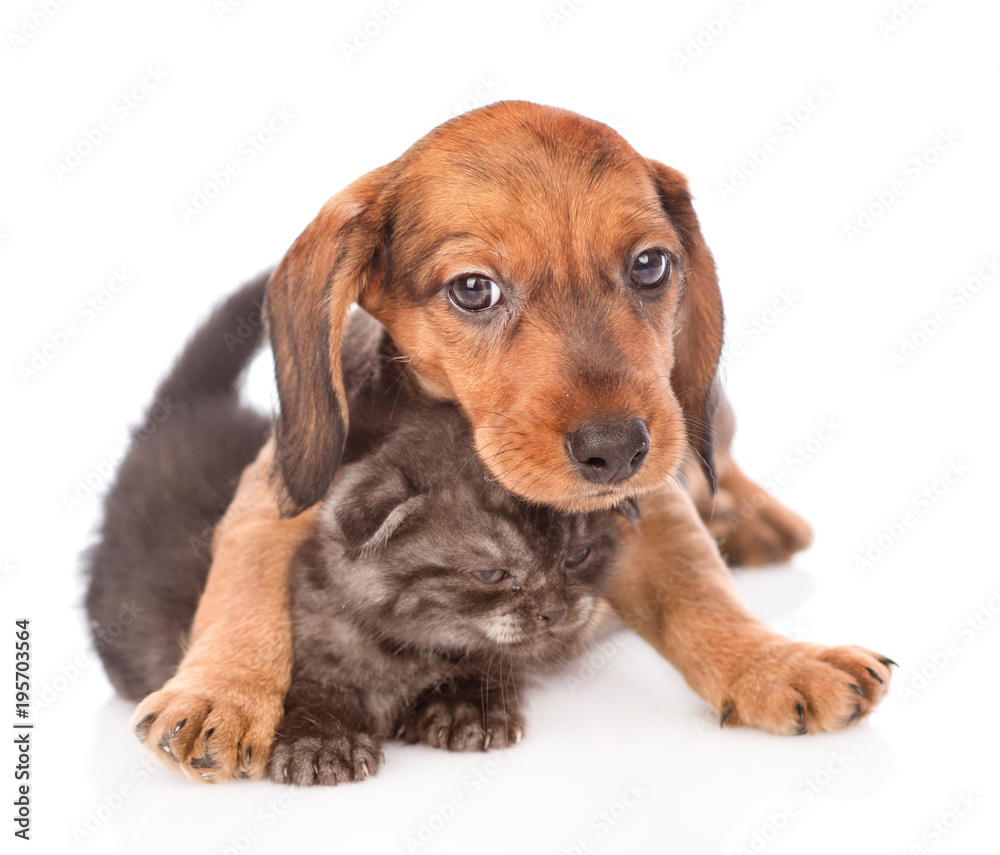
{"x":607,"y":452}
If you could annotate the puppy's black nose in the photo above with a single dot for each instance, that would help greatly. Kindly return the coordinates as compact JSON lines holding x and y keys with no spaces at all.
{"x":607,"y":452}
{"x":552,"y":617}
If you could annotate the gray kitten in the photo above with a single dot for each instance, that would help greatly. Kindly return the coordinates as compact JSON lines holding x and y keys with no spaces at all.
{"x":427,"y":599}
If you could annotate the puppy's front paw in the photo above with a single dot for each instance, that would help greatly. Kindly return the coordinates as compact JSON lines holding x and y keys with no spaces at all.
{"x":308,"y":755}
{"x":459,"y":724}
{"x":795,"y":688}
{"x":210,"y":733}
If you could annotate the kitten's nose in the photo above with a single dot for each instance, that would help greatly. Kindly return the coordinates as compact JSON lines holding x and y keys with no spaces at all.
{"x":552,"y":617}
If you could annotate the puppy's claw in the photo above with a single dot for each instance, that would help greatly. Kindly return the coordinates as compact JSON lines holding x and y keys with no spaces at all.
{"x":142,"y":728}
{"x":802,"y":729}
{"x":165,"y":745}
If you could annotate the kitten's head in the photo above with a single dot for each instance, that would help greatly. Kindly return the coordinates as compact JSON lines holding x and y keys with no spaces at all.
{"x":434,"y":555}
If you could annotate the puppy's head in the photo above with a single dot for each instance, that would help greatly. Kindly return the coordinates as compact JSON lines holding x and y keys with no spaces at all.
{"x":540,"y":273}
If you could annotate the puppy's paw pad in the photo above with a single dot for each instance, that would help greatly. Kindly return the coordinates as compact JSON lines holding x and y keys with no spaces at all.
{"x":209,"y":736}
{"x":807,"y":688}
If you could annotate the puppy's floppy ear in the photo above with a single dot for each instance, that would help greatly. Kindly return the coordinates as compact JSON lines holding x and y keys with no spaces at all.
{"x":333,"y":263}
{"x":698,"y":334}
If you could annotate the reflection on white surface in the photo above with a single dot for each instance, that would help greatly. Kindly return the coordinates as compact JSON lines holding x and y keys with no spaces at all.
{"x":632,"y":731}
{"x":618,"y":750}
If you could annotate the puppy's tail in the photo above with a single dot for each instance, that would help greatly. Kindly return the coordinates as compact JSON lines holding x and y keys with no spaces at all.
{"x":221,"y":348}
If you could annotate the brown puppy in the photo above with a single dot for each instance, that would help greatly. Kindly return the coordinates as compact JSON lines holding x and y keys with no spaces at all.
{"x":537,"y":270}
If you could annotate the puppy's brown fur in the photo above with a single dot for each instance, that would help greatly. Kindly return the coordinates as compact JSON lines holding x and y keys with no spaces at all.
{"x":551,"y":206}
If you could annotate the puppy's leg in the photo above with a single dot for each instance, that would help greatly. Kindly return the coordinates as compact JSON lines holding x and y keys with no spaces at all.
{"x":675,"y":591}
{"x":750,"y":525}
{"x":215,"y":718}
{"x":468,"y":715}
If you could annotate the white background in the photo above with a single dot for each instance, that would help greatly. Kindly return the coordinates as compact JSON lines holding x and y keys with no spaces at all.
{"x":848,"y":305}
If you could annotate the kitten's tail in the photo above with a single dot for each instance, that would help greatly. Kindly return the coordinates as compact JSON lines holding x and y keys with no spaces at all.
{"x":220,"y":350}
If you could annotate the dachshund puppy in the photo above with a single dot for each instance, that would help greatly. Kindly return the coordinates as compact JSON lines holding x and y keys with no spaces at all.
{"x":533,"y":268}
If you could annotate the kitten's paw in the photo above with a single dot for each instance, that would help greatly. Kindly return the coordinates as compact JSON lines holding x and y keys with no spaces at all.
{"x":801,"y":688}
{"x":323,"y":758}
{"x":209,"y":733}
{"x":461,"y":725}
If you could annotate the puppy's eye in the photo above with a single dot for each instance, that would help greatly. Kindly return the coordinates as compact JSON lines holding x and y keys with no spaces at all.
{"x":578,"y":557}
{"x":650,"y":268}
{"x":493,"y":576}
{"x":474,"y":292}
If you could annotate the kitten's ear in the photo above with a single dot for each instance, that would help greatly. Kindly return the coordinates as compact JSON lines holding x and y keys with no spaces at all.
{"x":629,"y":509}
{"x":371,"y":506}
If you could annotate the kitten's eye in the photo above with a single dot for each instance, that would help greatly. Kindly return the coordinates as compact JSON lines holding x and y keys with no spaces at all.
{"x":493,"y":576}
{"x":650,"y":269}
{"x":577,"y":558}
{"x":474,"y":292}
